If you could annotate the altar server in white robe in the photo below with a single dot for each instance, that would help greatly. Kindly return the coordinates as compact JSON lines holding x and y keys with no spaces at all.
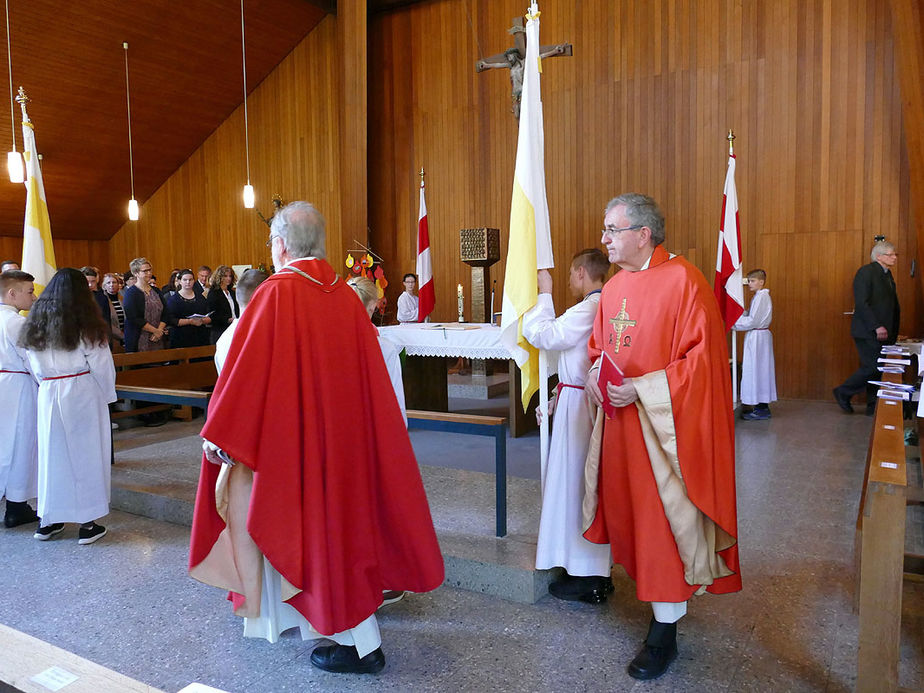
{"x":561,"y":542}
{"x":246,"y":285}
{"x":18,"y":392}
{"x":758,"y":372}
{"x":369,"y":295}
{"x":67,"y":343}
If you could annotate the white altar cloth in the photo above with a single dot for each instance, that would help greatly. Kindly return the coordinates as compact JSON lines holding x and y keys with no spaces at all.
{"x":477,"y":341}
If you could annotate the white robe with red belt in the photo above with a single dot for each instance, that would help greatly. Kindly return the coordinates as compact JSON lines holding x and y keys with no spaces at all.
{"x":74,"y":432}
{"x":561,"y":542}
{"x":18,"y":393}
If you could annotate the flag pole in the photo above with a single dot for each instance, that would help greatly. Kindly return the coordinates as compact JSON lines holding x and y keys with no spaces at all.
{"x":734,"y":335}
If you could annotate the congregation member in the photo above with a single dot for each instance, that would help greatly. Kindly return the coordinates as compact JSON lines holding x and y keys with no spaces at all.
{"x":128,"y":279}
{"x":18,"y":393}
{"x":9,"y":265}
{"x":408,"y":301}
{"x":111,"y":284}
{"x":172,"y":285}
{"x":304,"y":353}
{"x":106,"y":308}
{"x":561,"y":542}
{"x":876,"y":317}
{"x":92,"y":275}
{"x":758,"y":371}
{"x":246,"y":285}
{"x":67,"y":343}
{"x":665,"y":497}
{"x":189,"y":311}
{"x":146,"y":315}
{"x":368,"y":293}
{"x":222,"y":301}
{"x":202,"y":280}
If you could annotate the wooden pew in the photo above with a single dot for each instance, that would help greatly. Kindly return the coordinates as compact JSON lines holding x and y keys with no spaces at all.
{"x":492,"y":426}
{"x":23,"y":657}
{"x":167,"y":377}
{"x":880,"y":551}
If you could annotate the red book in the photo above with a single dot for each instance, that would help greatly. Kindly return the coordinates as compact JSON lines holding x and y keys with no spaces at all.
{"x":610,"y":373}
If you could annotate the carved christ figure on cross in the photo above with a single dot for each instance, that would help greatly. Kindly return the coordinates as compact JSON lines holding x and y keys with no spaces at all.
{"x":512,"y":59}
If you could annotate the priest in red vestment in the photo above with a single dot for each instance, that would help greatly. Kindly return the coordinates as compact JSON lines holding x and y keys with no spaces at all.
{"x":664,"y":468}
{"x":310,"y":502}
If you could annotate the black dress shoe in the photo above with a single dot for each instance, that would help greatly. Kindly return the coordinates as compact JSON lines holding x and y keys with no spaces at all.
{"x":843,"y":401}
{"x":592,"y":589}
{"x":344,"y":659}
{"x":656,"y":655}
{"x":18,"y":514}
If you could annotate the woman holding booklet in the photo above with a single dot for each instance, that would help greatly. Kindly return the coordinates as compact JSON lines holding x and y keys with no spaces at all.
{"x":190,"y":313}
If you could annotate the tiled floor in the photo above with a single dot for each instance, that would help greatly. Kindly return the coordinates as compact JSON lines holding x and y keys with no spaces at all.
{"x":127,"y":603}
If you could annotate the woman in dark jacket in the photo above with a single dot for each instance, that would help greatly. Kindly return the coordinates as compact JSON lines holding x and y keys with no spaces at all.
{"x":183,"y":304}
{"x":222,"y":301}
{"x":146,"y":315}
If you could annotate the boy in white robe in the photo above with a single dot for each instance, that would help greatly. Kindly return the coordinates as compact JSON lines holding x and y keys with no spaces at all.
{"x":758,"y":375}
{"x":246,"y":285}
{"x":561,"y":542}
{"x":18,"y":394}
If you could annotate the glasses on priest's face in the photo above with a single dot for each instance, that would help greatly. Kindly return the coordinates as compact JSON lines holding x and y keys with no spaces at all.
{"x":269,"y":241}
{"x":611,"y":232}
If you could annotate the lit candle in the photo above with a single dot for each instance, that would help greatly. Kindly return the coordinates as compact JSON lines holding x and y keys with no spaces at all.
{"x":461,"y":304}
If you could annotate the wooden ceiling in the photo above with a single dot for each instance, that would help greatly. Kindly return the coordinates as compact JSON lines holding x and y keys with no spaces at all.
{"x":186,"y":79}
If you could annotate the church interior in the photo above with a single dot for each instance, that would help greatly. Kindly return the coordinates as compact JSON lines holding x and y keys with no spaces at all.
{"x":346,"y":101}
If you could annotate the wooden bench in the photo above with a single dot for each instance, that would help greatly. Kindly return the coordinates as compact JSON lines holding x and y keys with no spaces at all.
{"x":491,"y":426}
{"x":166,"y":377}
{"x":880,"y":550}
{"x":24,"y":657}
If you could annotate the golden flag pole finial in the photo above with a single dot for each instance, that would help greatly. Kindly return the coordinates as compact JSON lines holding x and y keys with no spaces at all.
{"x":731,"y":142}
{"x":421,"y":176}
{"x":22,"y":100}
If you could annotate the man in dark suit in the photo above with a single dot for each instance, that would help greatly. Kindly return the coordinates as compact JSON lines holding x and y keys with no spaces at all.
{"x":202,"y":280}
{"x":875,"y":322}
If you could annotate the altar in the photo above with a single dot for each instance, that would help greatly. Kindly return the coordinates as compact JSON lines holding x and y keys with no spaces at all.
{"x":429,"y":345}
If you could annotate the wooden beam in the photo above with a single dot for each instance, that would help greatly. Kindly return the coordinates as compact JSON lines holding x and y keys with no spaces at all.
{"x":329,"y":6}
{"x":907,"y":29}
{"x":352,"y":23}
{"x":376,"y":6}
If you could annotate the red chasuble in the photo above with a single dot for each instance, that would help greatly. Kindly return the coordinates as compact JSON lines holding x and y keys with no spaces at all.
{"x":305,"y":401}
{"x":665,"y":318}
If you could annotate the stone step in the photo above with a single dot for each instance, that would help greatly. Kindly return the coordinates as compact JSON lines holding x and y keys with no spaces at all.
{"x":159,"y":481}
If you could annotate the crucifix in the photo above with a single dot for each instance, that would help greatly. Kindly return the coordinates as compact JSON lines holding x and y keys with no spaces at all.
{"x":512,"y":59}
{"x":620,"y":323}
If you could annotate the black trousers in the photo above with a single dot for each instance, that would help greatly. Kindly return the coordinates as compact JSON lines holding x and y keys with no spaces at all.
{"x":869,"y":350}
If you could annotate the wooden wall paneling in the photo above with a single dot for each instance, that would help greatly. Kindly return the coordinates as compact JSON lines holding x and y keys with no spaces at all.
{"x":68,"y":253}
{"x":644,"y":104}
{"x":353,"y":144}
{"x":197,"y":216}
{"x":907,"y":19}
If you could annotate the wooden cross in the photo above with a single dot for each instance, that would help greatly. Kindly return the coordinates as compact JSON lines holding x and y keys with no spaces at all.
{"x":620,"y":323}
{"x":512,"y":59}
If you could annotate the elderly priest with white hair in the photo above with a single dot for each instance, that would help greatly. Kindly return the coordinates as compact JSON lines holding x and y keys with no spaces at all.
{"x":310,"y":502}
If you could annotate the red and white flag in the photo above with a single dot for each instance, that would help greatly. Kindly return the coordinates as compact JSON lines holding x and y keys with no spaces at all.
{"x":426,"y":296}
{"x":729,"y":291}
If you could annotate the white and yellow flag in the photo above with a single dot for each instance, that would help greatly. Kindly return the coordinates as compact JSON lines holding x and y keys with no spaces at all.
{"x":38,"y":253}
{"x":530,"y":246}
